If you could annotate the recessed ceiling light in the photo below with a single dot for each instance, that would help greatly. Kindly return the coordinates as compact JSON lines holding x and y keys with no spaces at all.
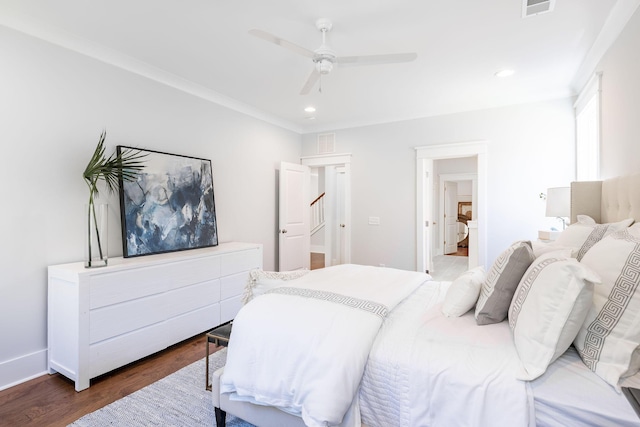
{"x":505,"y":73}
{"x":310,"y":109}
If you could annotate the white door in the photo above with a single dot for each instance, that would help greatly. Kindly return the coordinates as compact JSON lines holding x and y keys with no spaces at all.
{"x":450,"y":217}
{"x":294,"y":232}
{"x":330,"y":234}
{"x":340,"y":211}
{"x":426,"y":223}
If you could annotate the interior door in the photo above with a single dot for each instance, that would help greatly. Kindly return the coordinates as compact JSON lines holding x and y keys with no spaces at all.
{"x":294,"y":239}
{"x":450,"y":217}
{"x":340,"y":210}
{"x":425,"y":184}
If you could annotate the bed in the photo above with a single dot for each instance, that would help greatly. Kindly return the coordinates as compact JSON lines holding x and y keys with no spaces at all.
{"x":400,"y":360}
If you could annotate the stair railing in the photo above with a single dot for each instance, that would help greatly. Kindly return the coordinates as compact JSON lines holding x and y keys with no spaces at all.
{"x":317,"y":213}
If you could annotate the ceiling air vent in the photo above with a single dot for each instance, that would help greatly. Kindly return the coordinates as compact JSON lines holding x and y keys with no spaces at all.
{"x":326,"y":143}
{"x":536,"y":7}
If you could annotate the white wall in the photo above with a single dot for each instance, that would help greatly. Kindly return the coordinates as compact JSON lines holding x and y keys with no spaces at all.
{"x":620,"y":151}
{"x":53,"y":105}
{"x":530,"y":148}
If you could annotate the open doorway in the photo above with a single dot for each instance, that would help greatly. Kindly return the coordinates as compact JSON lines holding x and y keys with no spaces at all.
{"x":455,"y":198}
{"x":429,"y":200}
{"x":455,"y":193}
{"x":330,"y":193}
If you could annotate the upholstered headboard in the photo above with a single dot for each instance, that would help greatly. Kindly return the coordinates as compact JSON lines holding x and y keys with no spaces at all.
{"x":605,"y":201}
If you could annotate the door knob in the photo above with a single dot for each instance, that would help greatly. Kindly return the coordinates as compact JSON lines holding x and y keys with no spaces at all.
{"x":342,"y":225}
{"x":283,"y":231}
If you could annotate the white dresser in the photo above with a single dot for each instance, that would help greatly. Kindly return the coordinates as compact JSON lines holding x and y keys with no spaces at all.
{"x":102,"y":318}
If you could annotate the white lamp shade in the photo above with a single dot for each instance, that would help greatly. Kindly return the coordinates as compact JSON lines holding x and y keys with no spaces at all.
{"x":559,"y":202}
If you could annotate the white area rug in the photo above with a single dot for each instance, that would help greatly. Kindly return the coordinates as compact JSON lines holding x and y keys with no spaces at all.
{"x":177,"y":400}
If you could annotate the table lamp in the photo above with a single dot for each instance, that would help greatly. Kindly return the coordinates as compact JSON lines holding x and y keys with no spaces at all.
{"x":559,"y":203}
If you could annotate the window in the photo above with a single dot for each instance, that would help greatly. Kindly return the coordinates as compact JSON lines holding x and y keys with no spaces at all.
{"x":588,"y":131}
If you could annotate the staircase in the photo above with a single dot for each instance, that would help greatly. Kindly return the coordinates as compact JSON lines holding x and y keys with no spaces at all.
{"x":317,"y":214}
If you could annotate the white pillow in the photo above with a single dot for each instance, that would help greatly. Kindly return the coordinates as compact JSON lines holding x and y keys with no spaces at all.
{"x":501,"y":283}
{"x":260,"y":281}
{"x":585,"y":233}
{"x":609,"y":339}
{"x":541,"y":248}
{"x":548,"y":309}
{"x":586,"y":220}
{"x":463,"y":292}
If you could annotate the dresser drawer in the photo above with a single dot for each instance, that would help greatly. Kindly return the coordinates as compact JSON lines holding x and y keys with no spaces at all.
{"x":189,"y":298}
{"x":231,"y":286}
{"x":111,"y":321}
{"x":237,"y":262}
{"x":125,"y":285}
{"x":229,"y":308}
{"x":194,"y":271}
{"x":113,"y":353}
{"x":193,"y":323}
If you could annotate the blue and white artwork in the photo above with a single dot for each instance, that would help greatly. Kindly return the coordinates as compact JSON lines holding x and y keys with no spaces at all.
{"x":169,"y":207}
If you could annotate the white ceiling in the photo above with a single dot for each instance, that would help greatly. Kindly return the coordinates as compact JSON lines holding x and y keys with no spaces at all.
{"x":203,"y":46}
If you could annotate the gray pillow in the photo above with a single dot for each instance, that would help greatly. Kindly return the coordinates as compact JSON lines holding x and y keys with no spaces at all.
{"x":501,"y":283}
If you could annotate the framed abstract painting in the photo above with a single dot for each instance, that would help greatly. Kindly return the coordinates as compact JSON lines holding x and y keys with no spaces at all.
{"x":169,"y":207}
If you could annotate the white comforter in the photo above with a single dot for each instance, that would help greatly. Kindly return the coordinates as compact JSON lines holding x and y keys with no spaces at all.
{"x":429,"y":370}
{"x":307,"y":358}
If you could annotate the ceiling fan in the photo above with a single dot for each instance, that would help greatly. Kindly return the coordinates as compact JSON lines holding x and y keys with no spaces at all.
{"x":324,"y":57}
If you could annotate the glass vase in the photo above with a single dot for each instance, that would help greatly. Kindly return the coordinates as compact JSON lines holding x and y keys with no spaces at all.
{"x":96,"y":237}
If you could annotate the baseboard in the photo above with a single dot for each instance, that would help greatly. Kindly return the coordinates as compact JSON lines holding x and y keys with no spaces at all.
{"x":317,"y":249}
{"x":22,"y":369}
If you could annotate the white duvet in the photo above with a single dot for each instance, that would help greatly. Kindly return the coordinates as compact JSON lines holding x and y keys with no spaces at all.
{"x":303,"y":349}
{"x":425,"y":369}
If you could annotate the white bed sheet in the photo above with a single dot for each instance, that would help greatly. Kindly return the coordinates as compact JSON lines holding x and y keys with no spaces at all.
{"x":586,"y":399}
{"x":425,"y":369}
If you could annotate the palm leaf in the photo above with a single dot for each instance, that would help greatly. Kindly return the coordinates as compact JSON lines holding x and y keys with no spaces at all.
{"x":126,"y":164}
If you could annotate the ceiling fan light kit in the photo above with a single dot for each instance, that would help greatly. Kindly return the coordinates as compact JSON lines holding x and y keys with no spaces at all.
{"x":325,"y":57}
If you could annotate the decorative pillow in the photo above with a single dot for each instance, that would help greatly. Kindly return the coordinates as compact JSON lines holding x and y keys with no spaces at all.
{"x":548,"y":309}
{"x":501,"y":283}
{"x":260,"y":282}
{"x":609,"y":339}
{"x":541,"y":248}
{"x":585,"y":233}
{"x":463,"y":292}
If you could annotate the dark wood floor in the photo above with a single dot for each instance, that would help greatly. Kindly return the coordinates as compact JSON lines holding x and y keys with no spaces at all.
{"x":51,"y":400}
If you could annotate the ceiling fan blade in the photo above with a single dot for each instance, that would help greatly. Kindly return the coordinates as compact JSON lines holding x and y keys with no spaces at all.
{"x":377,"y":59}
{"x":311,"y":81}
{"x":281,"y":42}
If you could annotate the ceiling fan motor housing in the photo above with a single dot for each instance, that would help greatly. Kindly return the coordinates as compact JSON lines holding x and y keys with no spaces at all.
{"x":324,"y":66}
{"x":324,"y":58}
